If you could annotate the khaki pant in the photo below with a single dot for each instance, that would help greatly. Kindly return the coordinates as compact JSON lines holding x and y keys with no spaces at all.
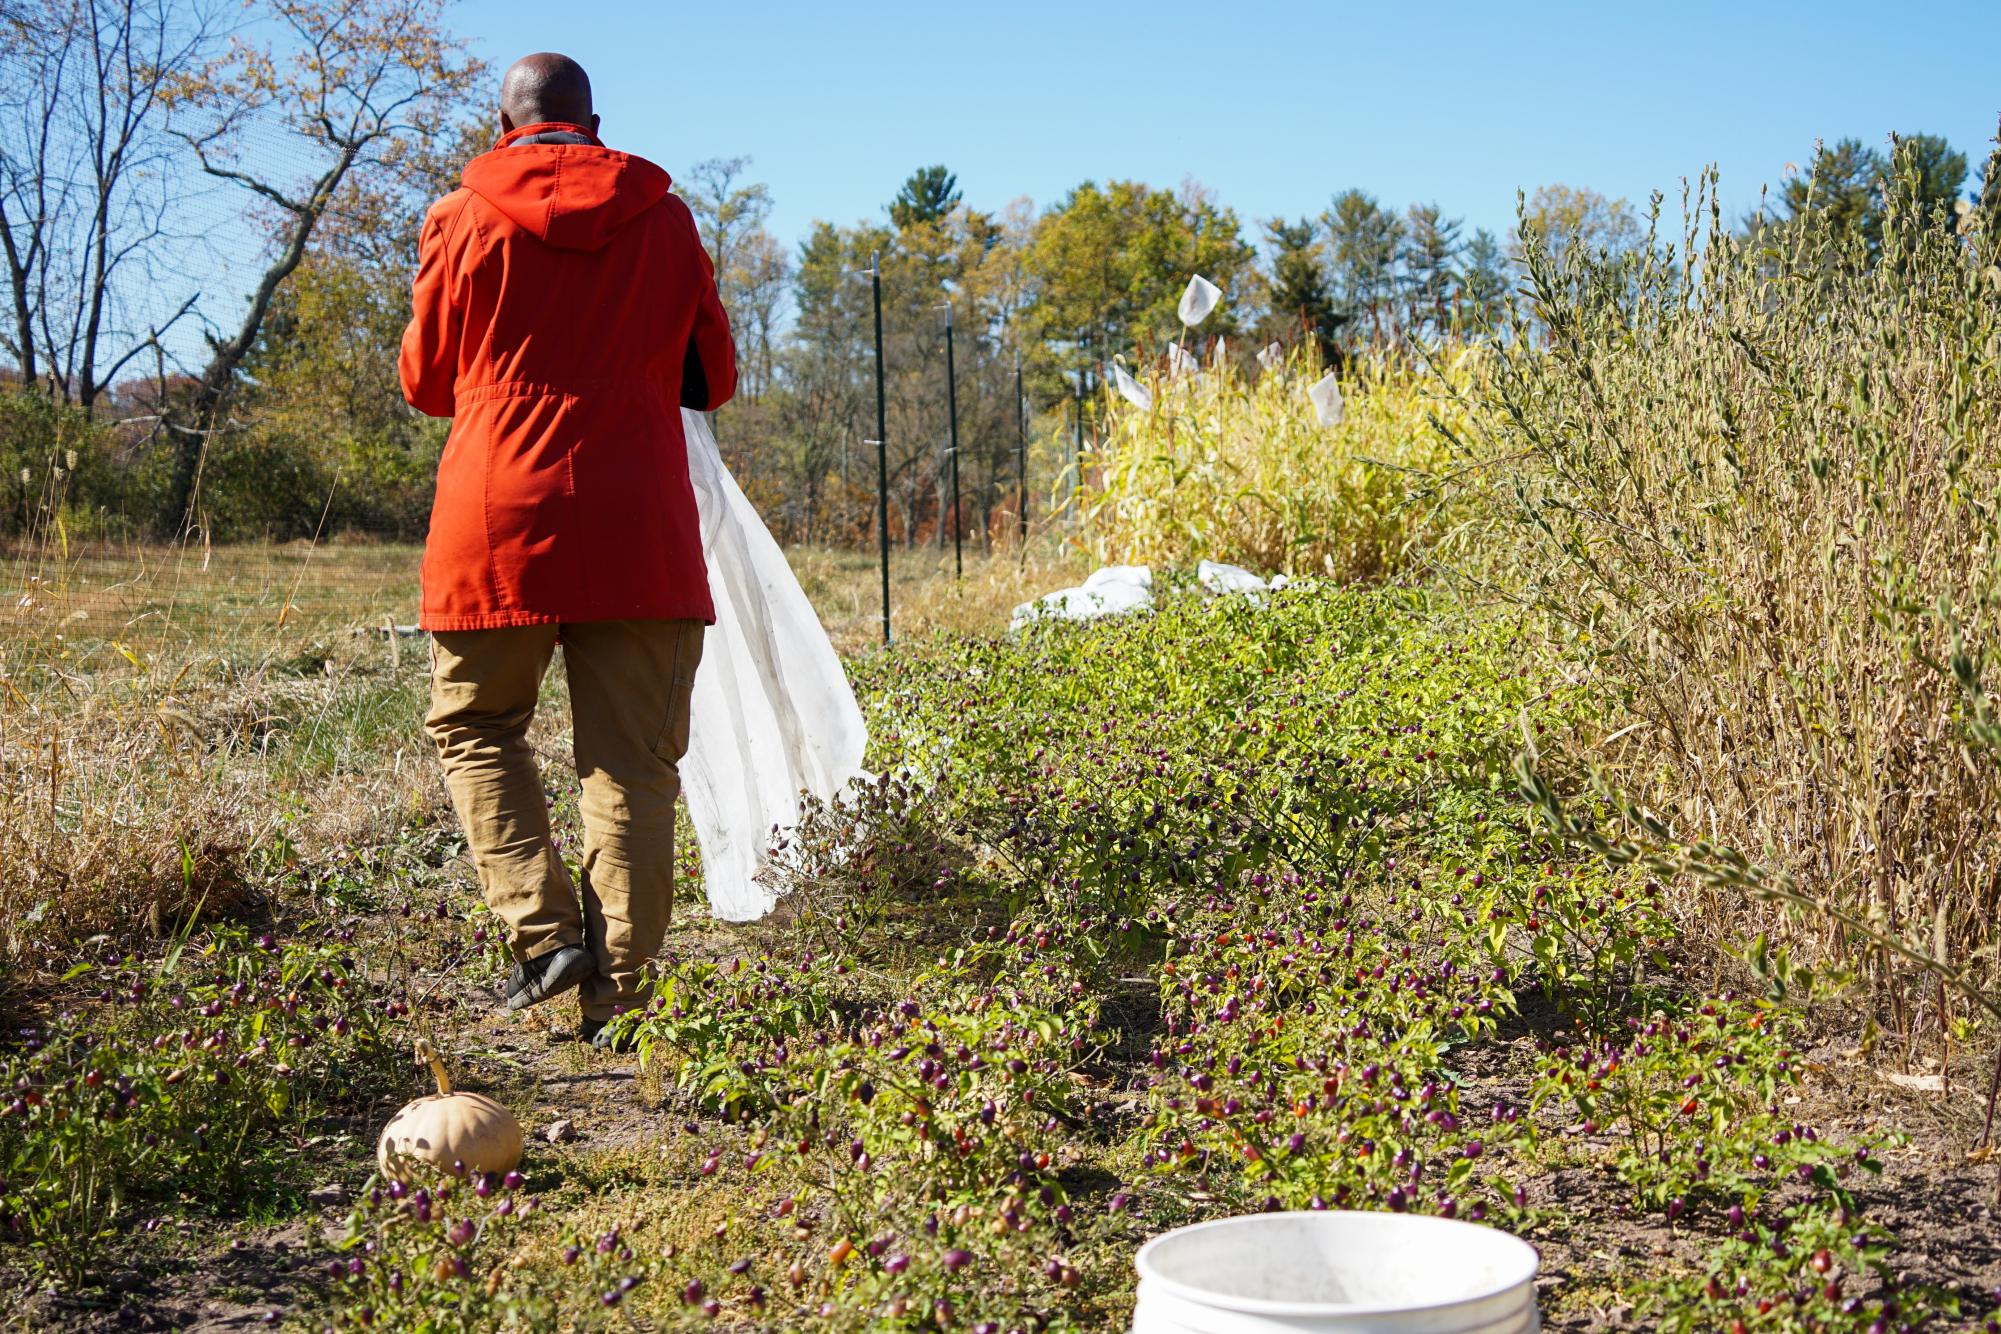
{"x":629,"y":689}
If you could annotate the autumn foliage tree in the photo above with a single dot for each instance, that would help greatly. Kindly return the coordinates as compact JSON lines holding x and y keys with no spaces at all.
{"x":967,"y":258}
{"x":752,"y":266}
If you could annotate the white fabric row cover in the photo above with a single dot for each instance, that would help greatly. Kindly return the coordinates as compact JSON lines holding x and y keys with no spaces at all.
{"x":774,"y":718}
{"x":1220,"y":578}
{"x":1117,"y":589}
{"x":1108,"y":592}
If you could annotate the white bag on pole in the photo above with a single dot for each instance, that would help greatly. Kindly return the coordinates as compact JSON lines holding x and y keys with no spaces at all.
{"x":1198,"y":300}
{"x":1325,"y":395}
{"x":773,"y":716}
{"x":1132,"y":390}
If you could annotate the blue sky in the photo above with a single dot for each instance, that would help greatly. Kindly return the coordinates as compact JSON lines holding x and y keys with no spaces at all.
{"x":1275,"y":106}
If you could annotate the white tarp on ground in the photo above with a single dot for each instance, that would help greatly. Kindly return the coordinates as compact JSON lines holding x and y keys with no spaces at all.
{"x":773,"y":714}
{"x":1108,"y":592}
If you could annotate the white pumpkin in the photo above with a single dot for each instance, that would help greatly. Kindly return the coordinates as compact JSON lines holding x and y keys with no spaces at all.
{"x":447,"y":1127}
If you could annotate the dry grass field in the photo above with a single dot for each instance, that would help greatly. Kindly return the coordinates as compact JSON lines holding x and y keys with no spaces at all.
{"x":171,"y":716}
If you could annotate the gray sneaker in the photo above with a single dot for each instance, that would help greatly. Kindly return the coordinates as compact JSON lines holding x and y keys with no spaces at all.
{"x":547,"y":975}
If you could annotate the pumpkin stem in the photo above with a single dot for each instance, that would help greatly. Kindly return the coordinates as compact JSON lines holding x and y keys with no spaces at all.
{"x":428,"y":1055}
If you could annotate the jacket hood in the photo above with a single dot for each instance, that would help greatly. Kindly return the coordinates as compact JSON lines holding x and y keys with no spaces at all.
{"x":574,"y":194}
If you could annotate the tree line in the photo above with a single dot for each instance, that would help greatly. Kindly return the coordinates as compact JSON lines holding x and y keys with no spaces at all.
{"x":329,"y":125}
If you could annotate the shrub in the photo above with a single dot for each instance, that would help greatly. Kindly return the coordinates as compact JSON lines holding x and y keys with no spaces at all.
{"x":1211,"y":909}
{"x":58,"y":461}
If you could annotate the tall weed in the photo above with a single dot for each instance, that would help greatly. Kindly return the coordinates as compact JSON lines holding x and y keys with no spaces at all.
{"x":1237,"y":467}
{"x":1757,"y":479}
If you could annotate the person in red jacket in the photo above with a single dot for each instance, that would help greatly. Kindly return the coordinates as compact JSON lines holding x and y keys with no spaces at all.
{"x":564,"y":313}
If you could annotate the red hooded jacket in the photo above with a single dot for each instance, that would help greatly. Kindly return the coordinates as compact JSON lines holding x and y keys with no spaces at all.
{"x":565,"y":311}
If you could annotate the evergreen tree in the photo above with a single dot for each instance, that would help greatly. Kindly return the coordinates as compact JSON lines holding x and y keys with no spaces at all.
{"x":1482,"y":296}
{"x":929,"y":194}
{"x":1849,"y":185}
{"x":1430,"y":247}
{"x":1840,"y":188}
{"x":1987,"y":208}
{"x":1301,"y":304}
{"x":1362,"y":240}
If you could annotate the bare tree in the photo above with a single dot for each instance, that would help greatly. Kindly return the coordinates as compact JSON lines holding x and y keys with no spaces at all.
{"x":760,"y":283}
{"x":33,"y":68}
{"x":85,"y":185}
{"x":348,"y":83}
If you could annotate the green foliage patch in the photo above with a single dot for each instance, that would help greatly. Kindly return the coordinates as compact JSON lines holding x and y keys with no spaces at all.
{"x":193,"y":1080}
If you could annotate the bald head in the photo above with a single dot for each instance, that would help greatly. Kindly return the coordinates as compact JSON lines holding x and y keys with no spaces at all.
{"x":545,"y":87}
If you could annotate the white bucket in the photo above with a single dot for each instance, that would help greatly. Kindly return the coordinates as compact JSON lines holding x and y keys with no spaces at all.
{"x":1356,"y":1273}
